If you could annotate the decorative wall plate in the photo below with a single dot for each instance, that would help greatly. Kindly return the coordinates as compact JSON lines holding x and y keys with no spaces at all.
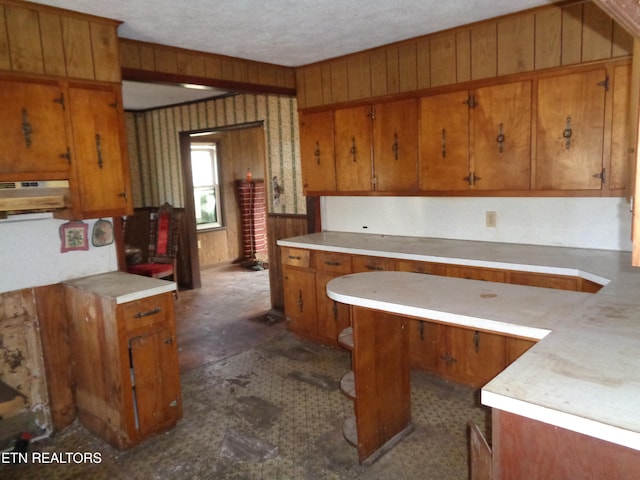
{"x":102,"y":233}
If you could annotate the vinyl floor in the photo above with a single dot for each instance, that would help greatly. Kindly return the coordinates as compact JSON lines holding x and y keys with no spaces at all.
{"x":266,"y":407}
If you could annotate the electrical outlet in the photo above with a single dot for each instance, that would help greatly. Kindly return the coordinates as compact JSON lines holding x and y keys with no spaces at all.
{"x":491,"y":219}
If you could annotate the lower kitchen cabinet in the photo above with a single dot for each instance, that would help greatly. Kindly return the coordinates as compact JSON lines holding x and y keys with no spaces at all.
{"x":300,"y":301}
{"x":458,"y":354}
{"x":310,"y":313}
{"x":526,"y":448}
{"x":424,"y":338}
{"x":470,"y":356}
{"x":333,"y":317}
{"x":125,"y":357}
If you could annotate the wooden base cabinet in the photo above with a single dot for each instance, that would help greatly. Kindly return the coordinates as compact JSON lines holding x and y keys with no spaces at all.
{"x":526,"y":448}
{"x":125,"y":362}
{"x":310,"y":313}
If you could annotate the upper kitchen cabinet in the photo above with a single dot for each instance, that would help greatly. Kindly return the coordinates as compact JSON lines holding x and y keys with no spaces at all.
{"x":570,"y":131}
{"x":444,"y":141}
{"x":501,"y":137}
{"x":60,"y":88}
{"x":476,"y":140}
{"x":100,"y":182}
{"x":317,"y":152}
{"x":395,"y":146}
{"x":377,"y":147}
{"x":354,"y":163}
{"x":34,"y":144}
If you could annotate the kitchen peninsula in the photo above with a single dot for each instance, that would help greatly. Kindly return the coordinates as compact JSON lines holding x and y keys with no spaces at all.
{"x":573,"y":394}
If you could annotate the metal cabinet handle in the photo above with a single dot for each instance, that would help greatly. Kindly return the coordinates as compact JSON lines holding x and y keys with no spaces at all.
{"x":148,"y":313}
{"x":99,"y":150}
{"x":332,"y":264}
{"x":373,"y":267}
{"x":444,"y":143}
{"x":500,"y":138}
{"x":300,"y":302}
{"x":394,"y":147}
{"x":566,"y":134}
{"x":27,"y":129}
{"x":316,"y":153}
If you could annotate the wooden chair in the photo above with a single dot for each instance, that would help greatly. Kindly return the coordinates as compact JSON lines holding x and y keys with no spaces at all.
{"x":163,"y":246}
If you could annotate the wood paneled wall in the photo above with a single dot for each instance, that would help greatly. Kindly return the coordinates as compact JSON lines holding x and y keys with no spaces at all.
{"x":548,"y":37}
{"x":237,"y":150}
{"x":36,"y":39}
{"x":154,"y":151}
{"x":142,"y":60}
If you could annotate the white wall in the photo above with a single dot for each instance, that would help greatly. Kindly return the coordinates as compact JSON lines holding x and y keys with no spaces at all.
{"x":30,"y":253}
{"x":600,"y":223}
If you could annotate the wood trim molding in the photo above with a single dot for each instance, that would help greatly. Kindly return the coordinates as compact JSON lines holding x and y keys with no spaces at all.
{"x":146,"y":61}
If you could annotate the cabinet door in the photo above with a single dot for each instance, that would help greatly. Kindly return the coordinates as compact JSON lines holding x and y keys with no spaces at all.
{"x":354,"y":164}
{"x":424,"y":338}
{"x":444,"y":142}
{"x":333,"y":317}
{"x":299,"y":288}
{"x":570,"y":131}
{"x":501,"y":137}
{"x":395,"y":146}
{"x":100,"y":163}
{"x":155,"y":381}
{"x":317,"y":152}
{"x":34,"y":137}
{"x":470,"y":356}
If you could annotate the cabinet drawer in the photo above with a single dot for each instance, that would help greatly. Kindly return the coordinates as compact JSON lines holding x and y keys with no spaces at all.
{"x":476,"y":273}
{"x":332,"y":262}
{"x":421,"y":267}
{"x":146,"y":313}
{"x":362,"y":263}
{"x":296,"y":257}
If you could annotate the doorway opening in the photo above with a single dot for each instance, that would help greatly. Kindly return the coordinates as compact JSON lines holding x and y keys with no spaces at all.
{"x":229,"y":309}
{"x":222,"y":170}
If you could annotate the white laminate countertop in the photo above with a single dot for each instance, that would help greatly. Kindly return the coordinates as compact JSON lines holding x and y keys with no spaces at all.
{"x":584,"y":375}
{"x":122,"y":287}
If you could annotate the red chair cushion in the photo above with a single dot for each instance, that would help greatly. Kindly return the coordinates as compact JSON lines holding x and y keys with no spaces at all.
{"x":162,"y":242}
{"x":150,"y":269}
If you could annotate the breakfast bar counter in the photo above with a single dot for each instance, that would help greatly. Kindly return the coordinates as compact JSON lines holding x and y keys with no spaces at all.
{"x":583,"y":375}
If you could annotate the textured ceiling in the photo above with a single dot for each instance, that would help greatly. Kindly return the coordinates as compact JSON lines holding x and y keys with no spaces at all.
{"x":287,"y":32}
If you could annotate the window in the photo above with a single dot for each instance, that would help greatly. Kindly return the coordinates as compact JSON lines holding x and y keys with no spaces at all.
{"x":206,"y":188}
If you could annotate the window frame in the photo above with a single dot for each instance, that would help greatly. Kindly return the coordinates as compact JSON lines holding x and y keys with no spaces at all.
{"x":210,"y":147}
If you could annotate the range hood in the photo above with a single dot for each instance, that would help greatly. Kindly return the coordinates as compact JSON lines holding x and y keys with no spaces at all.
{"x":33,"y":196}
